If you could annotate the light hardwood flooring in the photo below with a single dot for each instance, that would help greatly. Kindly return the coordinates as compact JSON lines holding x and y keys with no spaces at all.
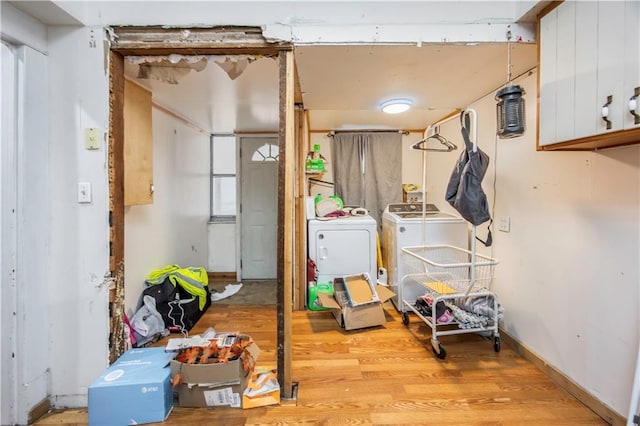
{"x":384,"y":375}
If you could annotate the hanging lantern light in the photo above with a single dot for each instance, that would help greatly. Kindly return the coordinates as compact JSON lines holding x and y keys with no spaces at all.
{"x":510,"y":111}
{"x":510,"y":106}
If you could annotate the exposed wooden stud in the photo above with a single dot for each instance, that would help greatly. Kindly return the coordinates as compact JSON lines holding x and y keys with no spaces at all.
{"x":285,"y":222}
{"x":116,"y":203}
{"x":297,"y":94}
{"x":308,"y":127}
{"x":300,"y":219}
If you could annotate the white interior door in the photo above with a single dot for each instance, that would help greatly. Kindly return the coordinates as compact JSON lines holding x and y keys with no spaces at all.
{"x":258,"y":206}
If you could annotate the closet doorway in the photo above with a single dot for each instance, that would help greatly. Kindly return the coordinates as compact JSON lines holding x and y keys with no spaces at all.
{"x":157,"y":41}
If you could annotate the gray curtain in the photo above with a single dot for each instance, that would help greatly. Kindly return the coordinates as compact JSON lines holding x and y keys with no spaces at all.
{"x":367,"y":169}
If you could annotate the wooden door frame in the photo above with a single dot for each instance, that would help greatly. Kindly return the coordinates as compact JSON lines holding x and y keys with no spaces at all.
{"x":161,"y":41}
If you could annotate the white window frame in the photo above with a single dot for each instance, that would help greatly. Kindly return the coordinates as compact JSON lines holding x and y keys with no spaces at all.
{"x":221,"y":218}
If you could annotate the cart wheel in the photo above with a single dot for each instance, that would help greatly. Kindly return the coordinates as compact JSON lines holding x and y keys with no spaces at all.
{"x":405,"y":318}
{"x":440,"y":353}
{"x":496,"y":343}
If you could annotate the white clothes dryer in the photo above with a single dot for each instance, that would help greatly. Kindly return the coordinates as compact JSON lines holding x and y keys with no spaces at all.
{"x":343,"y":246}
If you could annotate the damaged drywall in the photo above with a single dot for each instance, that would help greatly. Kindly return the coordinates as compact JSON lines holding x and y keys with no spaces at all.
{"x":171,"y":69}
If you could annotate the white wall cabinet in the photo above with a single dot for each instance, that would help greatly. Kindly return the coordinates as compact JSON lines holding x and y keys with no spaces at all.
{"x":589,"y":54}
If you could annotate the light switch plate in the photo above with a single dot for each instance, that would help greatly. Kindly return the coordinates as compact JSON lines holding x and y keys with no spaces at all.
{"x":84,"y":192}
{"x":504,"y":224}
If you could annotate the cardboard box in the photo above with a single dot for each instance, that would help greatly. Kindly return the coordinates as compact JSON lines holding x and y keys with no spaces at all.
{"x":411,"y":193}
{"x":135,"y":389}
{"x":354,"y":317}
{"x":217,"y":384}
{"x":412,"y":196}
{"x":263,"y":389}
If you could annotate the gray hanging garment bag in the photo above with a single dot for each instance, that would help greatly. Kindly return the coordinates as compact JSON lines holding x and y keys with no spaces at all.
{"x":464,"y":191}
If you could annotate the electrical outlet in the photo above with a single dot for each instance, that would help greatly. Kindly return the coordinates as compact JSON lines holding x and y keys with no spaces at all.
{"x":91,"y":138}
{"x":504,"y":224}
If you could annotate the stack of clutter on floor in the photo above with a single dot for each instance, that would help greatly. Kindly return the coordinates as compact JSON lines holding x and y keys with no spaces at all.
{"x":209,"y":370}
{"x":219,"y":369}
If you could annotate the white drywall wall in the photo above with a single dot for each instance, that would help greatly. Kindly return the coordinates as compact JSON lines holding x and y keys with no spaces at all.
{"x":173,"y":229}
{"x":79,"y":251}
{"x":568,"y":273}
{"x":222,"y":247}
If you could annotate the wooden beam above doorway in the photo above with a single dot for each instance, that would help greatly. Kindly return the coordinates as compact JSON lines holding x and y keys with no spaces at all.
{"x":156,"y":40}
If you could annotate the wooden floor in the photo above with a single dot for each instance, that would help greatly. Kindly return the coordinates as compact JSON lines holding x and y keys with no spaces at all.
{"x":383,"y":375}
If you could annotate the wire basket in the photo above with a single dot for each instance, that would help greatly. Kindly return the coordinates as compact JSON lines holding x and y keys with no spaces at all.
{"x":446,"y":269}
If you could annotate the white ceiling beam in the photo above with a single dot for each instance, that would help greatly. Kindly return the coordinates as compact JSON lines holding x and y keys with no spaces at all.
{"x":400,"y":34}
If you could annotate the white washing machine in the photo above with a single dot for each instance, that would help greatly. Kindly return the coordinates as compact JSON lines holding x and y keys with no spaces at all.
{"x":403,"y":225}
{"x":343,"y":246}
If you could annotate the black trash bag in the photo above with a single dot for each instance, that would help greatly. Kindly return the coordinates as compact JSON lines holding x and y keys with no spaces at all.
{"x":464,"y":191}
{"x":178,"y":308}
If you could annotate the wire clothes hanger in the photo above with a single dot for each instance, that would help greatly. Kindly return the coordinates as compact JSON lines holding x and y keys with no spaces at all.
{"x":447,"y":144}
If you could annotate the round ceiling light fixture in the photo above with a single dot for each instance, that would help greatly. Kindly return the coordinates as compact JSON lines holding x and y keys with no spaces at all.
{"x":396,"y":106}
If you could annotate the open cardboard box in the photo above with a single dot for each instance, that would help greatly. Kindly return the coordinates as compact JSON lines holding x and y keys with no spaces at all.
{"x":217,"y":384}
{"x":368,"y":311}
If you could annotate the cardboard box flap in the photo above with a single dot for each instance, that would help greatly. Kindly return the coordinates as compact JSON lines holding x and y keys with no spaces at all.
{"x":328,"y":301}
{"x":360,"y":290}
{"x":136,"y":366}
{"x":384,"y":293}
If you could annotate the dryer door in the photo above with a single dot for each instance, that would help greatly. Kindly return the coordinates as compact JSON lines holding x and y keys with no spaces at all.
{"x":343,"y":252}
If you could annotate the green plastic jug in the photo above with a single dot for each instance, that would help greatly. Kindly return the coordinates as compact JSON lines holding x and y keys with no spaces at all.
{"x":314,"y":289}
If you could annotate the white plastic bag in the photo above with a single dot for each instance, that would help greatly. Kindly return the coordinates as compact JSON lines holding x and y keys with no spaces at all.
{"x":147,"y":322}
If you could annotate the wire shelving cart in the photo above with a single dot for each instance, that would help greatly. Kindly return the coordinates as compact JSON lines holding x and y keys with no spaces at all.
{"x":453,"y":276}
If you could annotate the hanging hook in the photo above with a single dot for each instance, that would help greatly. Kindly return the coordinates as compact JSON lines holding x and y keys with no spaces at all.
{"x":420,"y":145}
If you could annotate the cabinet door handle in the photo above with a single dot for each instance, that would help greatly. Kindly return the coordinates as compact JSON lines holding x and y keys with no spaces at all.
{"x":605,"y":111}
{"x":633,"y":106}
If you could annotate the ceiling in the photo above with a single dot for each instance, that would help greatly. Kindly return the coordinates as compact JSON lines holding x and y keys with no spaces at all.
{"x":343,"y":85}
